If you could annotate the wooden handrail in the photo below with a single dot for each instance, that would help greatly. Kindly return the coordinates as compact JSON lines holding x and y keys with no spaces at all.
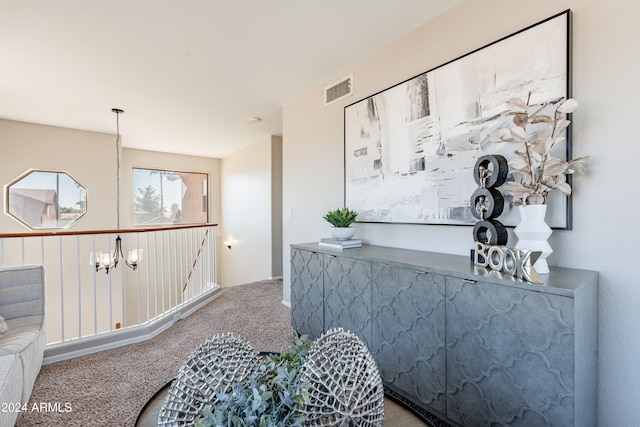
{"x":120,"y":231}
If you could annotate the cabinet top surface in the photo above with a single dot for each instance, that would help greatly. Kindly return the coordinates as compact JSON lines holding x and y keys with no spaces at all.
{"x":561,"y":281}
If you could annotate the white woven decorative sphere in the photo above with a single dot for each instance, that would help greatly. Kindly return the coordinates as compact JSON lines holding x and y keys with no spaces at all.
{"x":346,"y":388}
{"x":211,"y":370}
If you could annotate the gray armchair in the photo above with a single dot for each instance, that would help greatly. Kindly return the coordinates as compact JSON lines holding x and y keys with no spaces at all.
{"x":22,"y":345}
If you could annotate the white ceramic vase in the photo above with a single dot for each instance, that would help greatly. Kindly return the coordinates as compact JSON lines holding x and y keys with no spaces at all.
{"x":342,"y":233}
{"x":533,"y":232}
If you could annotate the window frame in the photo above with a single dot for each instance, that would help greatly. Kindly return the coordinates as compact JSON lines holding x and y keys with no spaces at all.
{"x":204,"y":195}
{"x":25,"y":222}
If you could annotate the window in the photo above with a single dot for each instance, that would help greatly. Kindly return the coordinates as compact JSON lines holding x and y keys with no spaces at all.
{"x":169,"y":197}
{"x":46,"y":199}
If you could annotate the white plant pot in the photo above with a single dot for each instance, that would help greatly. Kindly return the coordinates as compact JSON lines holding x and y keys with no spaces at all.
{"x":533,"y":232}
{"x":342,"y":233}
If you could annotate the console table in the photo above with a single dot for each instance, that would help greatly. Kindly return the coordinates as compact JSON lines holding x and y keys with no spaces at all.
{"x":469,"y":345}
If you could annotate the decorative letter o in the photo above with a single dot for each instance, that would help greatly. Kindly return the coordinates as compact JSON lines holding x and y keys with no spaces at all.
{"x":499,"y":170}
{"x":490,"y":232}
{"x":494,"y":200}
{"x":496,"y":257}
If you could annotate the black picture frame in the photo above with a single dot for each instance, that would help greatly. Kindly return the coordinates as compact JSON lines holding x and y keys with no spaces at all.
{"x":409,"y":150}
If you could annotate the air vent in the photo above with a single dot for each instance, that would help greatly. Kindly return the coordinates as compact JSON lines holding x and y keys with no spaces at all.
{"x":338,"y":90}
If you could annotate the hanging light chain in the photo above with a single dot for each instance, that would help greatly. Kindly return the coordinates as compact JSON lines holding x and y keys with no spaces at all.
{"x":117,"y":111}
{"x":117,"y":252}
{"x":107,"y":261}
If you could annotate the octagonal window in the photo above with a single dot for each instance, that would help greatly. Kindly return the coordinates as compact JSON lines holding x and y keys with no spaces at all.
{"x":46,"y":199}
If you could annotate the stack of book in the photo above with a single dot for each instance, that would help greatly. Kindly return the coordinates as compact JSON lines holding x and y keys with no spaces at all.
{"x":340,"y":244}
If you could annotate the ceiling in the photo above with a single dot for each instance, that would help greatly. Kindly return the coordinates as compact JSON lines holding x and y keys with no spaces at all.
{"x":189,"y":74}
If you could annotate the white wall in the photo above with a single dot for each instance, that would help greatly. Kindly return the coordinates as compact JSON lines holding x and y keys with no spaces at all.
{"x":89,"y":157}
{"x":249,"y":191}
{"x":606,"y":67}
{"x":133,"y":158}
{"x":276,"y":207}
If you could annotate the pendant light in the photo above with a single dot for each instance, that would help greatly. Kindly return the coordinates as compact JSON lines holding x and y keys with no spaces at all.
{"x":104,"y":260}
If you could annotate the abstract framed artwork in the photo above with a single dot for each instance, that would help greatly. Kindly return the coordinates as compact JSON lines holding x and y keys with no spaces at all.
{"x":410,"y":149}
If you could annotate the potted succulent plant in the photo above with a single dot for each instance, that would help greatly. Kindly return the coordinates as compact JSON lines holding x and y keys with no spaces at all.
{"x":341,"y":220}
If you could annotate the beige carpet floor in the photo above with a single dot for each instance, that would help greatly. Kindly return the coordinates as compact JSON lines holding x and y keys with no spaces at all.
{"x":110,"y":387}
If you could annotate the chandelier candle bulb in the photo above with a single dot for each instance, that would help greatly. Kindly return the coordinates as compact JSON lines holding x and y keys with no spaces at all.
{"x":95,"y":259}
{"x":134,"y":257}
{"x":106,"y":260}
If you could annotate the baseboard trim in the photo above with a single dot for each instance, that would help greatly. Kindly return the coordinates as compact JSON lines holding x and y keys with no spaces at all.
{"x":118,"y":338}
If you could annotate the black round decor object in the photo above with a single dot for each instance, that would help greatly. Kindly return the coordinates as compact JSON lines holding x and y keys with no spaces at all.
{"x":488,"y":199}
{"x":491,"y":232}
{"x":498,"y":167}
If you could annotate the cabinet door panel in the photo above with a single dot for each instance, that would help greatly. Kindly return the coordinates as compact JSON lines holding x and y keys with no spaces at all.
{"x":347,"y":293}
{"x":509,"y":356}
{"x":307,"y":294}
{"x":408,"y":332}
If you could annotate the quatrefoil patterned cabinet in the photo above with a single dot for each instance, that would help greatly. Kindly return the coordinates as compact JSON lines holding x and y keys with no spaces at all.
{"x":471,"y":346}
{"x":408,"y":332}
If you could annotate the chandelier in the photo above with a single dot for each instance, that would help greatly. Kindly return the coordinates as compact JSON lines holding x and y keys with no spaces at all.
{"x":108,"y":261}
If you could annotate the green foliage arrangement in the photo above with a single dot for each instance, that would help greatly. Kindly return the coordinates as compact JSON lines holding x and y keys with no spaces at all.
{"x":270,"y":398}
{"x":342,"y":217}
